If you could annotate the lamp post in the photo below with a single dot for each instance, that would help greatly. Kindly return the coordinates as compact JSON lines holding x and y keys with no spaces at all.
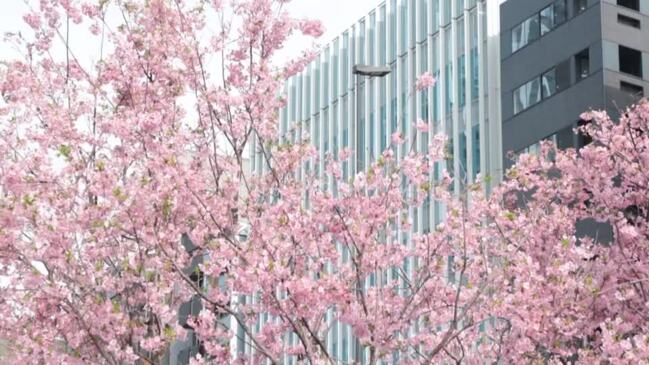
{"x":359,"y":71}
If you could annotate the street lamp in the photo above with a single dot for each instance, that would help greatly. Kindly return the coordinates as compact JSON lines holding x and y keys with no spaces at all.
{"x":369,"y":71}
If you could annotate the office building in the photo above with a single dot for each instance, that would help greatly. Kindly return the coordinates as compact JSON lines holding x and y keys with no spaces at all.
{"x":562,"y":57}
{"x":341,"y":103}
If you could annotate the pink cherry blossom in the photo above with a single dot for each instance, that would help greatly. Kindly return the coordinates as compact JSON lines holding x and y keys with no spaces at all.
{"x":422,"y":126}
{"x":424,"y":81}
{"x":312,"y":28}
{"x":125,"y":192}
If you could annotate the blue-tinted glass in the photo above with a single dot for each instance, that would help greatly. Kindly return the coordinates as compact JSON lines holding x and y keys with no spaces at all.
{"x":293,"y":101}
{"x":372,"y":38}
{"x":334,"y":336}
{"x":393,"y":30}
{"x":325,"y":131}
{"x":317,"y":85}
{"x":334,"y":126}
{"x":461,"y":70}
{"x":460,"y":7}
{"x":383,"y":116}
{"x":345,"y":125}
{"x":361,"y":43}
{"x":423,"y":57}
{"x":476,"y":150}
{"x":449,"y":71}
{"x":316,"y":131}
{"x":382,"y":36}
{"x":463,"y":155}
{"x":360,"y":131}
{"x":437,"y":176}
{"x":394,"y":112}
{"x":404,"y":27}
{"x":325,"y":77}
{"x":435,"y":19}
{"x":474,"y":74}
{"x":284,"y":119}
{"x":413,"y":22}
{"x":446,"y":18}
{"x":449,"y":88}
{"x":371,"y":121}
{"x":307,"y":100}
{"x":436,"y":101}
{"x":451,"y":146}
{"x":423,"y":19}
{"x":461,"y":79}
{"x":404,"y":94}
{"x":334,"y":89}
{"x":345,"y":345}
{"x":474,"y":54}
{"x":423,"y":114}
{"x":345,"y":66}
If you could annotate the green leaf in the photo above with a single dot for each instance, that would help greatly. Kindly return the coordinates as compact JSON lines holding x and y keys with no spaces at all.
{"x":167,"y":205}
{"x":117,"y":307}
{"x":117,"y":193}
{"x":169,"y":333}
{"x":65,"y":151}
{"x":28,"y":200}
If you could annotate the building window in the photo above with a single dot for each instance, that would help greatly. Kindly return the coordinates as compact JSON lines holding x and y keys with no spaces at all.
{"x":628,"y":21}
{"x":393,"y":31}
{"x":549,"y":83}
{"x":423,"y":19}
{"x":447,"y":12}
{"x":633,"y":89}
{"x":382,"y":36}
{"x":525,"y":33}
{"x":564,"y":138}
{"x":527,"y":95}
{"x":580,"y":5}
{"x":630,"y":61}
{"x":631,"y":4}
{"x":583,"y":139}
{"x":582,"y":64}
{"x":553,"y":16}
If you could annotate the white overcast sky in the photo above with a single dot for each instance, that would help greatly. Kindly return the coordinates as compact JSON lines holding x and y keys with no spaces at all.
{"x":336,"y":15}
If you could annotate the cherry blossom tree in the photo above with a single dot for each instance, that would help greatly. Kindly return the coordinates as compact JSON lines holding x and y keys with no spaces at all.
{"x":107,"y":166}
{"x":578,"y":297}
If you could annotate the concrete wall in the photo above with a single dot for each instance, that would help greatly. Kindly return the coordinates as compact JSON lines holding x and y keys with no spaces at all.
{"x":562,"y":109}
{"x":615,"y":34}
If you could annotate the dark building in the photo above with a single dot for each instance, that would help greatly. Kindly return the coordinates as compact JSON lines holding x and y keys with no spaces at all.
{"x":562,"y":57}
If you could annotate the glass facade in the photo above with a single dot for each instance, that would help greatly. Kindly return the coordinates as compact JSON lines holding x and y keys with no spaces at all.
{"x":338,"y":109}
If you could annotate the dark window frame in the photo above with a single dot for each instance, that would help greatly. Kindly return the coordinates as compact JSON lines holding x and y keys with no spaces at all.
{"x":629,"y":4}
{"x":634,"y":89}
{"x":582,"y":72}
{"x":628,"y":21}
{"x":630,"y":61}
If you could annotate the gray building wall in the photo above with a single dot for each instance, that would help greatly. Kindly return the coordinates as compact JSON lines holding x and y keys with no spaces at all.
{"x":598,"y":29}
{"x":557,"y":47}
